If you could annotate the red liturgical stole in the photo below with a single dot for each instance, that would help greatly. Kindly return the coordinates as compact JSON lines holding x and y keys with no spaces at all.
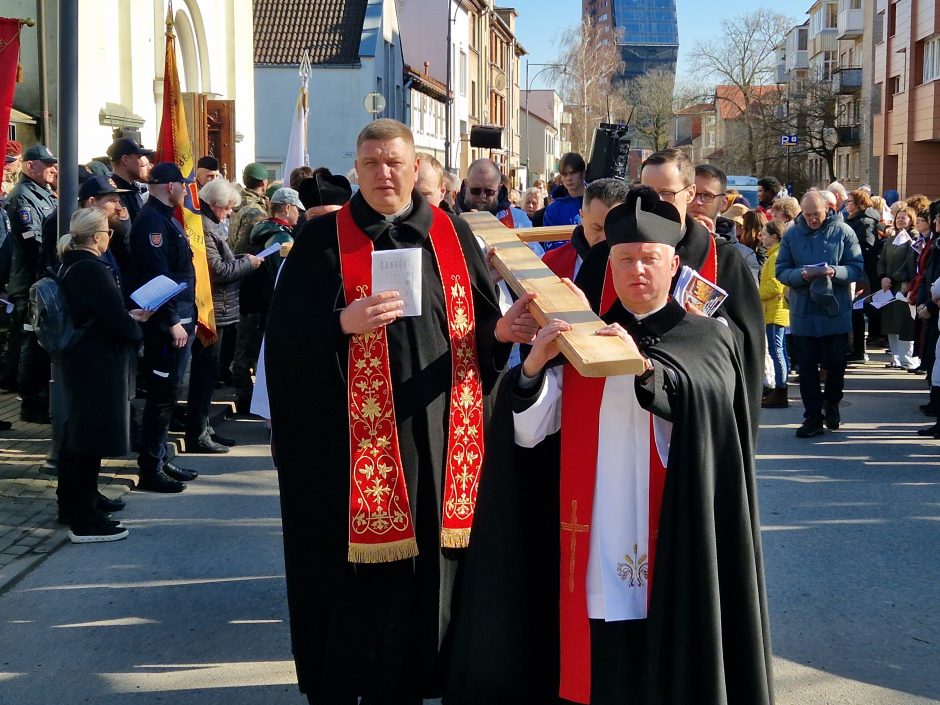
{"x":381,"y":528}
{"x":580,"y":420}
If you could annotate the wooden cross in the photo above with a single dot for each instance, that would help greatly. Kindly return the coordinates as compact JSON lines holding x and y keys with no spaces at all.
{"x":575,"y":528}
{"x":590,"y":354}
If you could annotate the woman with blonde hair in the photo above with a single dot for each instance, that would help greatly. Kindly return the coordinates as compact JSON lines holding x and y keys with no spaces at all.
{"x":97,"y":376}
{"x":896,"y":268}
{"x":776,"y":316}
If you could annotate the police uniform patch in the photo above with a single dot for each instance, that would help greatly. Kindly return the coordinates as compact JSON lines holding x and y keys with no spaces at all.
{"x":156,"y":239}
{"x":26,"y":217}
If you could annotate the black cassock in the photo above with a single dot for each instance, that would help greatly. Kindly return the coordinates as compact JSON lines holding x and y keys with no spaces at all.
{"x":742,"y":309}
{"x":374,"y":630}
{"x":706,"y":639}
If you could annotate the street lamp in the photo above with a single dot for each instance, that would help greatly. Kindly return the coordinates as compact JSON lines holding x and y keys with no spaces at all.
{"x":528,"y":85}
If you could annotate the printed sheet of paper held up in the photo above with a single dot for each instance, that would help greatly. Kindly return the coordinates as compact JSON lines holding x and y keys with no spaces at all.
{"x":156,"y":292}
{"x":591,"y":355}
{"x":399,"y":270}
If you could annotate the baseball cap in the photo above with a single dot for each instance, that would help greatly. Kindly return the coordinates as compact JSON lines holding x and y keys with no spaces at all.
{"x":736,"y":213}
{"x":39,"y":152}
{"x":123,"y":146}
{"x":98,"y":186}
{"x":288,"y":196}
{"x":167,"y":173}
{"x":256,"y":171}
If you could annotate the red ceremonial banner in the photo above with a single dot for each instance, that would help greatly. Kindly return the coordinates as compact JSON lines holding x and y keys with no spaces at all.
{"x":9,"y":59}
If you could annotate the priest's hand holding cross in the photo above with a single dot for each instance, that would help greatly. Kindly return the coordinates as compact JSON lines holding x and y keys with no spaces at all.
{"x":517,"y":325}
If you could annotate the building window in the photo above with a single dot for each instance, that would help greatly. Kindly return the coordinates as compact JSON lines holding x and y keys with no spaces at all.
{"x":931,"y":59}
{"x":892,"y":18}
{"x":473,"y":98}
{"x":802,"y":39}
{"x":463,"y":73}
{"x":602,"y":18}
{"x":832,"y":16}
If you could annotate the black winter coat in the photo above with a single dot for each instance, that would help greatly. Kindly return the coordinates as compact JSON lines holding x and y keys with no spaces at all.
{"x":98,"y":372}
{"x":226,"y":272}
{"x":865,"y":225}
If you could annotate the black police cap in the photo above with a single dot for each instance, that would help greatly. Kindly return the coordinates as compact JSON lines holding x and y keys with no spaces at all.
{"x":167,"y":173}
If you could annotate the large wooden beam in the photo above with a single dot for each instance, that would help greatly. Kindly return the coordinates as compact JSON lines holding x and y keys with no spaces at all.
{"x":591,"y":355}
{"x":548,"y":233}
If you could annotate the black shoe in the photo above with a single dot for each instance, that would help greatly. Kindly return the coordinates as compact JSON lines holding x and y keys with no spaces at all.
{"x":178,"y":473}
{"x":204,"y":444}
{"x":243,"y":407}
{"x":222,"y":440}
{"x":930,"y":431}
{"x":96,"y":532}
{"x":106,"y":504}
{"x":929,"y":410}
{"x":833,"y":418}
{"x":5,"y":425}
{"x":811,"y":427}
{"x":159,"y":481}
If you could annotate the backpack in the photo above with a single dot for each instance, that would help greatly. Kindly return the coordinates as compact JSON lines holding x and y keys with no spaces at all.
{"x":50,"y":317}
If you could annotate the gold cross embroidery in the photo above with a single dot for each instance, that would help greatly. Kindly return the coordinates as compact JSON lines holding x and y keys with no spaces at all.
{"x":575,"y":528}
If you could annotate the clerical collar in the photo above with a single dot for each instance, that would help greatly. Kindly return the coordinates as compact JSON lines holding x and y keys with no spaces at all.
{"x":400,"y":215}
{"x":641,"y":316}
{"x":650,"y":326}
{"x":418,"y":218}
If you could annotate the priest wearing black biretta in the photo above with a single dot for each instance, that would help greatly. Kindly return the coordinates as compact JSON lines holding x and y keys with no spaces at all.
{"x":657,"y":573}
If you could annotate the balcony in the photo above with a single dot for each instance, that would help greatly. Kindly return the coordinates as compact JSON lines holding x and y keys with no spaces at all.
{"x":846,"y":81}
{"x":848,"y":135}
{"x":798,"y":59}
{"x":850,"y":24}
{"x":781,"y":73}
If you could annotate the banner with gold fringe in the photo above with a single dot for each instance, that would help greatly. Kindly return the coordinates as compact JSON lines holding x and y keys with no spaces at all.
{"x":173,"y":145}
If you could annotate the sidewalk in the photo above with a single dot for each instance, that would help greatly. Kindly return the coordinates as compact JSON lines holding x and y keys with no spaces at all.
{"x":28,"y":509}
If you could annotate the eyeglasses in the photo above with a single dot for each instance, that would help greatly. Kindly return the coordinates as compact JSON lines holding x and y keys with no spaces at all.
{"x":670,"y":196}
{"x":109,"y":231}
{"x":479,"y":191}
{"x":704,"y":196}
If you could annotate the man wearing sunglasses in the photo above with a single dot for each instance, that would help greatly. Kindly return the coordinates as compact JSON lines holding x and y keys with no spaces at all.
{"x":482,"y":191}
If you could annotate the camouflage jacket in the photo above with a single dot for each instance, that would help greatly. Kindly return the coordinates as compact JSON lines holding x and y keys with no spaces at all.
{"x":254,"y":209}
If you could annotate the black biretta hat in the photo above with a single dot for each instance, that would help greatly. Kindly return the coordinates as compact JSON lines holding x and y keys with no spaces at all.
{"x":324,"y":189}
{"x":644,"y":217}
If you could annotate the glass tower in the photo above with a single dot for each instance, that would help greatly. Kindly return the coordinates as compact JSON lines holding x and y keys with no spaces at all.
{"x":648,"y":35}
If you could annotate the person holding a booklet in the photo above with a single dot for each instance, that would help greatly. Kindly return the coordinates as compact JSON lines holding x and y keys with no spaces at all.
{"x":897,"y":266}
{"x":380,"y":427}
{"x":97,"y":378}
{"x":656,"y":590}
{"x":819,"y":259}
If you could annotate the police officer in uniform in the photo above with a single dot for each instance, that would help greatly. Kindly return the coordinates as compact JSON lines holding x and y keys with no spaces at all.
{"x":31,"y":202}
{"x":159,"y":246}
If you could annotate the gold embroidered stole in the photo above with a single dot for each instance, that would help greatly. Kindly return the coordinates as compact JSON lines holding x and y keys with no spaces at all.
{"x":381,"y":528}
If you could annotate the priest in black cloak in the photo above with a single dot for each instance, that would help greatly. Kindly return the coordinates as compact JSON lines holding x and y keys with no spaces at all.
{"x":656,"y":584}
{"x":380,"y":428}
{"x":671,"y":174}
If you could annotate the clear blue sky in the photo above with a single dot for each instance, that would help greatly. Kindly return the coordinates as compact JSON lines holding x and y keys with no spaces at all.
{"x":540,"y":24}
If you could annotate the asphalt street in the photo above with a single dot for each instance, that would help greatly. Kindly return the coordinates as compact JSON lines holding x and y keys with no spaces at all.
{"x":191,"y":607}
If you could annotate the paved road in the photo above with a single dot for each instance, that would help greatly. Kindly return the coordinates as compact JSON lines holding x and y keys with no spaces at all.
{"x":190,"y":609}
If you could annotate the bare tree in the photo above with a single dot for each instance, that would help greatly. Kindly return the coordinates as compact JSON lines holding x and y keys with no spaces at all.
{"x":590,"y":60}
{"x":812,"y":113}
{"x":742,"y":55}
{"x":649,"y":102}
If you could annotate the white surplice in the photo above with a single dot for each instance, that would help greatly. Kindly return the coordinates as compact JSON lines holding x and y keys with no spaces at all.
{"x":619,"y":538}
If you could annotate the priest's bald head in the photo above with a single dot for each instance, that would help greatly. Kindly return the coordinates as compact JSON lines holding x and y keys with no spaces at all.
{"x":643,"y":233}
{"x":386,"y":165}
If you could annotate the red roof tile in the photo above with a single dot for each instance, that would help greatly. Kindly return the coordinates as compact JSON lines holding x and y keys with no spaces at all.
{"x":730,"y":99}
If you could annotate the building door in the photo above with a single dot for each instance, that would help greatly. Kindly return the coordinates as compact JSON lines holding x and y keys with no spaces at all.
{"x":212,"y":129}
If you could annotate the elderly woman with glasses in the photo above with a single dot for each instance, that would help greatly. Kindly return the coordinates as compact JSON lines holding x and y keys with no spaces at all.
{"x":219,"y":198}
{"x":97,"y":378}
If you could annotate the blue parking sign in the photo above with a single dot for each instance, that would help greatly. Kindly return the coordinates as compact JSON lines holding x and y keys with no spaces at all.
{"x":788,"y":140}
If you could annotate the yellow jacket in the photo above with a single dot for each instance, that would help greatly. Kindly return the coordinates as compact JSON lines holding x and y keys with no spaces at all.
{"x":776,"y":308}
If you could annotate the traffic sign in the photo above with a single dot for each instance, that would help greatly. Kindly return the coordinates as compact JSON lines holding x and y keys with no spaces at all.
{"x":789,"y":140}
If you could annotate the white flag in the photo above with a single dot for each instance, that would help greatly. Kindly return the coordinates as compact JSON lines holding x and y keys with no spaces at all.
{"x":297,"y":146}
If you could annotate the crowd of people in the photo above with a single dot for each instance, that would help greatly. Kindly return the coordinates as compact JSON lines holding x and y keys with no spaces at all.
{"x":388,"y":472}
{"x":123,"y":235}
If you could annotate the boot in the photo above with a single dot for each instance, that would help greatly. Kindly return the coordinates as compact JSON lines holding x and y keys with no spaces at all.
{"x":932,"y":407}
{"x":777,"y":399}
